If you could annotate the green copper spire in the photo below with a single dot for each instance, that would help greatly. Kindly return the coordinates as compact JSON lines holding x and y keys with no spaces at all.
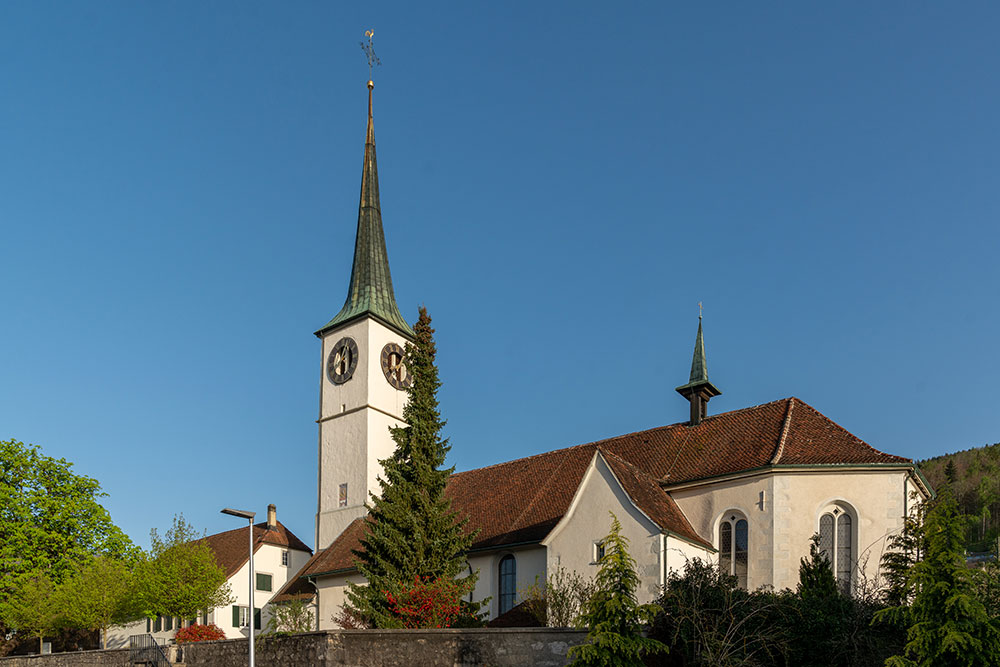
{"x":370,"y":292}
{"x":698,"y":390}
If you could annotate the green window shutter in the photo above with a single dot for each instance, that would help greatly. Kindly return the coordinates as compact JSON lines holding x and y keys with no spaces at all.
{"x":158,"y":624}
{"x":236,"y":616}
{"x":263,"y":582}
{"x":256,"y":618}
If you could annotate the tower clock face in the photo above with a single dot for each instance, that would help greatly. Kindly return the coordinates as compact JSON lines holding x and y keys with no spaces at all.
{"x":394,"y":366}
{"x":342,"y":361}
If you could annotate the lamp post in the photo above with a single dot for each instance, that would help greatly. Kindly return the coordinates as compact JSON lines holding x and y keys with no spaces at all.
{"x":243,"y":514}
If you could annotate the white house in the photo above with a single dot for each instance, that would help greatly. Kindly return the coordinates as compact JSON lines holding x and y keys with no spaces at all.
{"x":278,"y":556}
{"x":746,"y":489}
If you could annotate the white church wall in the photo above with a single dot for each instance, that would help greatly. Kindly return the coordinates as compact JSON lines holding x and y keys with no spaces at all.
{"x":874,"y":498}
{"x":783,"y":509}
{"x":571,"y":545}
{"x":749,"y":498}
{"x":333,"y":597}
{"x":678,"y":552}
{"x":530,"y":565}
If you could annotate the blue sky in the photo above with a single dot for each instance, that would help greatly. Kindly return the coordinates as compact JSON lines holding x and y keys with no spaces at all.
{"x":561,"y":185}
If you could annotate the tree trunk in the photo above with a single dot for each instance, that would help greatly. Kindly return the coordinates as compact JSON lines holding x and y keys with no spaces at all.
{"x":41,"y":642}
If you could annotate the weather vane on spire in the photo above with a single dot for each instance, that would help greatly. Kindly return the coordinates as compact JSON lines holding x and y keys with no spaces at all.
{"x":369,"y":49}
{"x":699,"y":310}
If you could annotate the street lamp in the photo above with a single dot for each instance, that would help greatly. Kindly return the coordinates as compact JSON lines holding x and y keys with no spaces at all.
{"x":243,"y":514}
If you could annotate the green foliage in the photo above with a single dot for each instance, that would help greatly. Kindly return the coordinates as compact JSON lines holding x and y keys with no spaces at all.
{"x":50,"y":519}
{"x":816,"y":580}
{"x":180,"y":577}
{"x":291,"y":617}
{"x":904,"y":550}
{"x":707,"y":619}
{"x":98,"y":595}
{"x":947,"y":625}
{"x":613,"y":616}
{"x":411,"y":530}
{"x":558,"y":601}
{"x":973,"y":477}
{"x":33,"y":609}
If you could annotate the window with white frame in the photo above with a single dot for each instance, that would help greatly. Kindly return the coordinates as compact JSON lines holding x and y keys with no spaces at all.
{"x":734,"y":546}
{"x":598,"y":551}
{"x":284,"y":558}
{"x":836,"y":541}
{"x":241,"y":616}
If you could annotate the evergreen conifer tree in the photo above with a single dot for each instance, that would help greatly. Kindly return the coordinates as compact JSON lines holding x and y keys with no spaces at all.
{"x":816,"y":580}
{"x":947,"y":624}
{"x":412,"y":533}
{"x":614,"y":617}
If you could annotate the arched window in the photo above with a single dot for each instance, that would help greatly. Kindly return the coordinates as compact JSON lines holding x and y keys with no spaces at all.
{"x":836,"y":541}
{"x":508,"y":583}
{"x":734,"y":546}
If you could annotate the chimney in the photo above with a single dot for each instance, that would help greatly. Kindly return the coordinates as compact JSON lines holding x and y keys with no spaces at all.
{"x":272,"y":517}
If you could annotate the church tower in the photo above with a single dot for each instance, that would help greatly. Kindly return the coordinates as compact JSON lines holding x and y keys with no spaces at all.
{"x":364,"y":381}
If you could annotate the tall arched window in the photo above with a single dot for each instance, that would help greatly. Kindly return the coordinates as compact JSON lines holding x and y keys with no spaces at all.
{"x":836,"y":541}
{"x":508,"y":583}
{"x":734,"y":546}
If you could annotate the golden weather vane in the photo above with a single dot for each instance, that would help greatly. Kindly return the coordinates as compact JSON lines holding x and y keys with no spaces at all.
{"x":699,"y":310}
{"x":369,"y":49}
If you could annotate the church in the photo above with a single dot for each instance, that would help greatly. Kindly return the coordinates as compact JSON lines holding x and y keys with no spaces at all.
{"x":746,"y":489}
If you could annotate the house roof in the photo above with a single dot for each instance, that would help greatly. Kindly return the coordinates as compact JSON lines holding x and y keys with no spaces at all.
{"x":231,"y":547}
{"x":521,"y":501}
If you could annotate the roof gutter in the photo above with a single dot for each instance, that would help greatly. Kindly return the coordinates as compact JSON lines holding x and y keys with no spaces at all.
{"x":792,"y":467}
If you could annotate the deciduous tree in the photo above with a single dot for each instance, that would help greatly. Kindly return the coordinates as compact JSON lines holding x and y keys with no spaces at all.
{"x":181,"y":576}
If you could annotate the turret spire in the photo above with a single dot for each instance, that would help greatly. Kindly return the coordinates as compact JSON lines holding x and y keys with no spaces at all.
{"x":698,"y":390}
{"x":370,"y":292}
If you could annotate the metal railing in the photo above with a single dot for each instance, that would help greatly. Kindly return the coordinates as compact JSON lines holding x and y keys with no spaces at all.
{"x":143,"y":650}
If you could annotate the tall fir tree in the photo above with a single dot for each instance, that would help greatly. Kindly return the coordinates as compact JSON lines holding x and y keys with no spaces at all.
{"x":816,"y":580}
{"x":411,"y":530}
{"x":948,"y":625}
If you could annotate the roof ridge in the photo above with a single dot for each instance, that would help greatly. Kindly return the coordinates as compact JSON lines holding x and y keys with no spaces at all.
{"x":780,"y":449}
{"x":597,"y":443}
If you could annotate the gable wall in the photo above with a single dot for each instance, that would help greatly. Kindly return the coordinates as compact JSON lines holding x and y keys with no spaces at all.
{"x":571,"y":544}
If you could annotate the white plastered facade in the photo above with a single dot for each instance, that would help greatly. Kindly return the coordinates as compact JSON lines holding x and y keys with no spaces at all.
{"x":354,"y":423}
{"x":783,"y":506}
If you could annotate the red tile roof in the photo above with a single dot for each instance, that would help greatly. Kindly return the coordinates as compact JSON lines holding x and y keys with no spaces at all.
{"x":521,"y":501}
{"x":232,"y":547}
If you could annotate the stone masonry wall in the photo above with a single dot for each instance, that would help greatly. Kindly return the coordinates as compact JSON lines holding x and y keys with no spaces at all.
{"x":492,"y":647}
{"x":110,"y":658}
{"x":495,"y":647}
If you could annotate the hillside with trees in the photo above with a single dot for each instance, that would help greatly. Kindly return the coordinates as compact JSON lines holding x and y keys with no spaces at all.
{"x":974,"y":478}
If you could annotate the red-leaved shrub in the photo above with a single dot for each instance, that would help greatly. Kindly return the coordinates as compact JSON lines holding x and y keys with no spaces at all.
{"x":199,"y":633}
{"x":428,"y":603}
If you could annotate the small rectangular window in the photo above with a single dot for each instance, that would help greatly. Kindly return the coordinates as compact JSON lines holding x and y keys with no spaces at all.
{"x":263,"y":582}
{"x":241,"y":616}
{"x":256,"y":618}
{"x":343,"y":495}
{"x":598,"y":551}
{"x":284,"y":558}
{"x":149,"y":625}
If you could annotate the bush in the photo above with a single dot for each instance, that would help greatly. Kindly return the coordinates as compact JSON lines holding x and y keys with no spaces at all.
{"x":199,"y":633}
{"x":428,"y":602}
